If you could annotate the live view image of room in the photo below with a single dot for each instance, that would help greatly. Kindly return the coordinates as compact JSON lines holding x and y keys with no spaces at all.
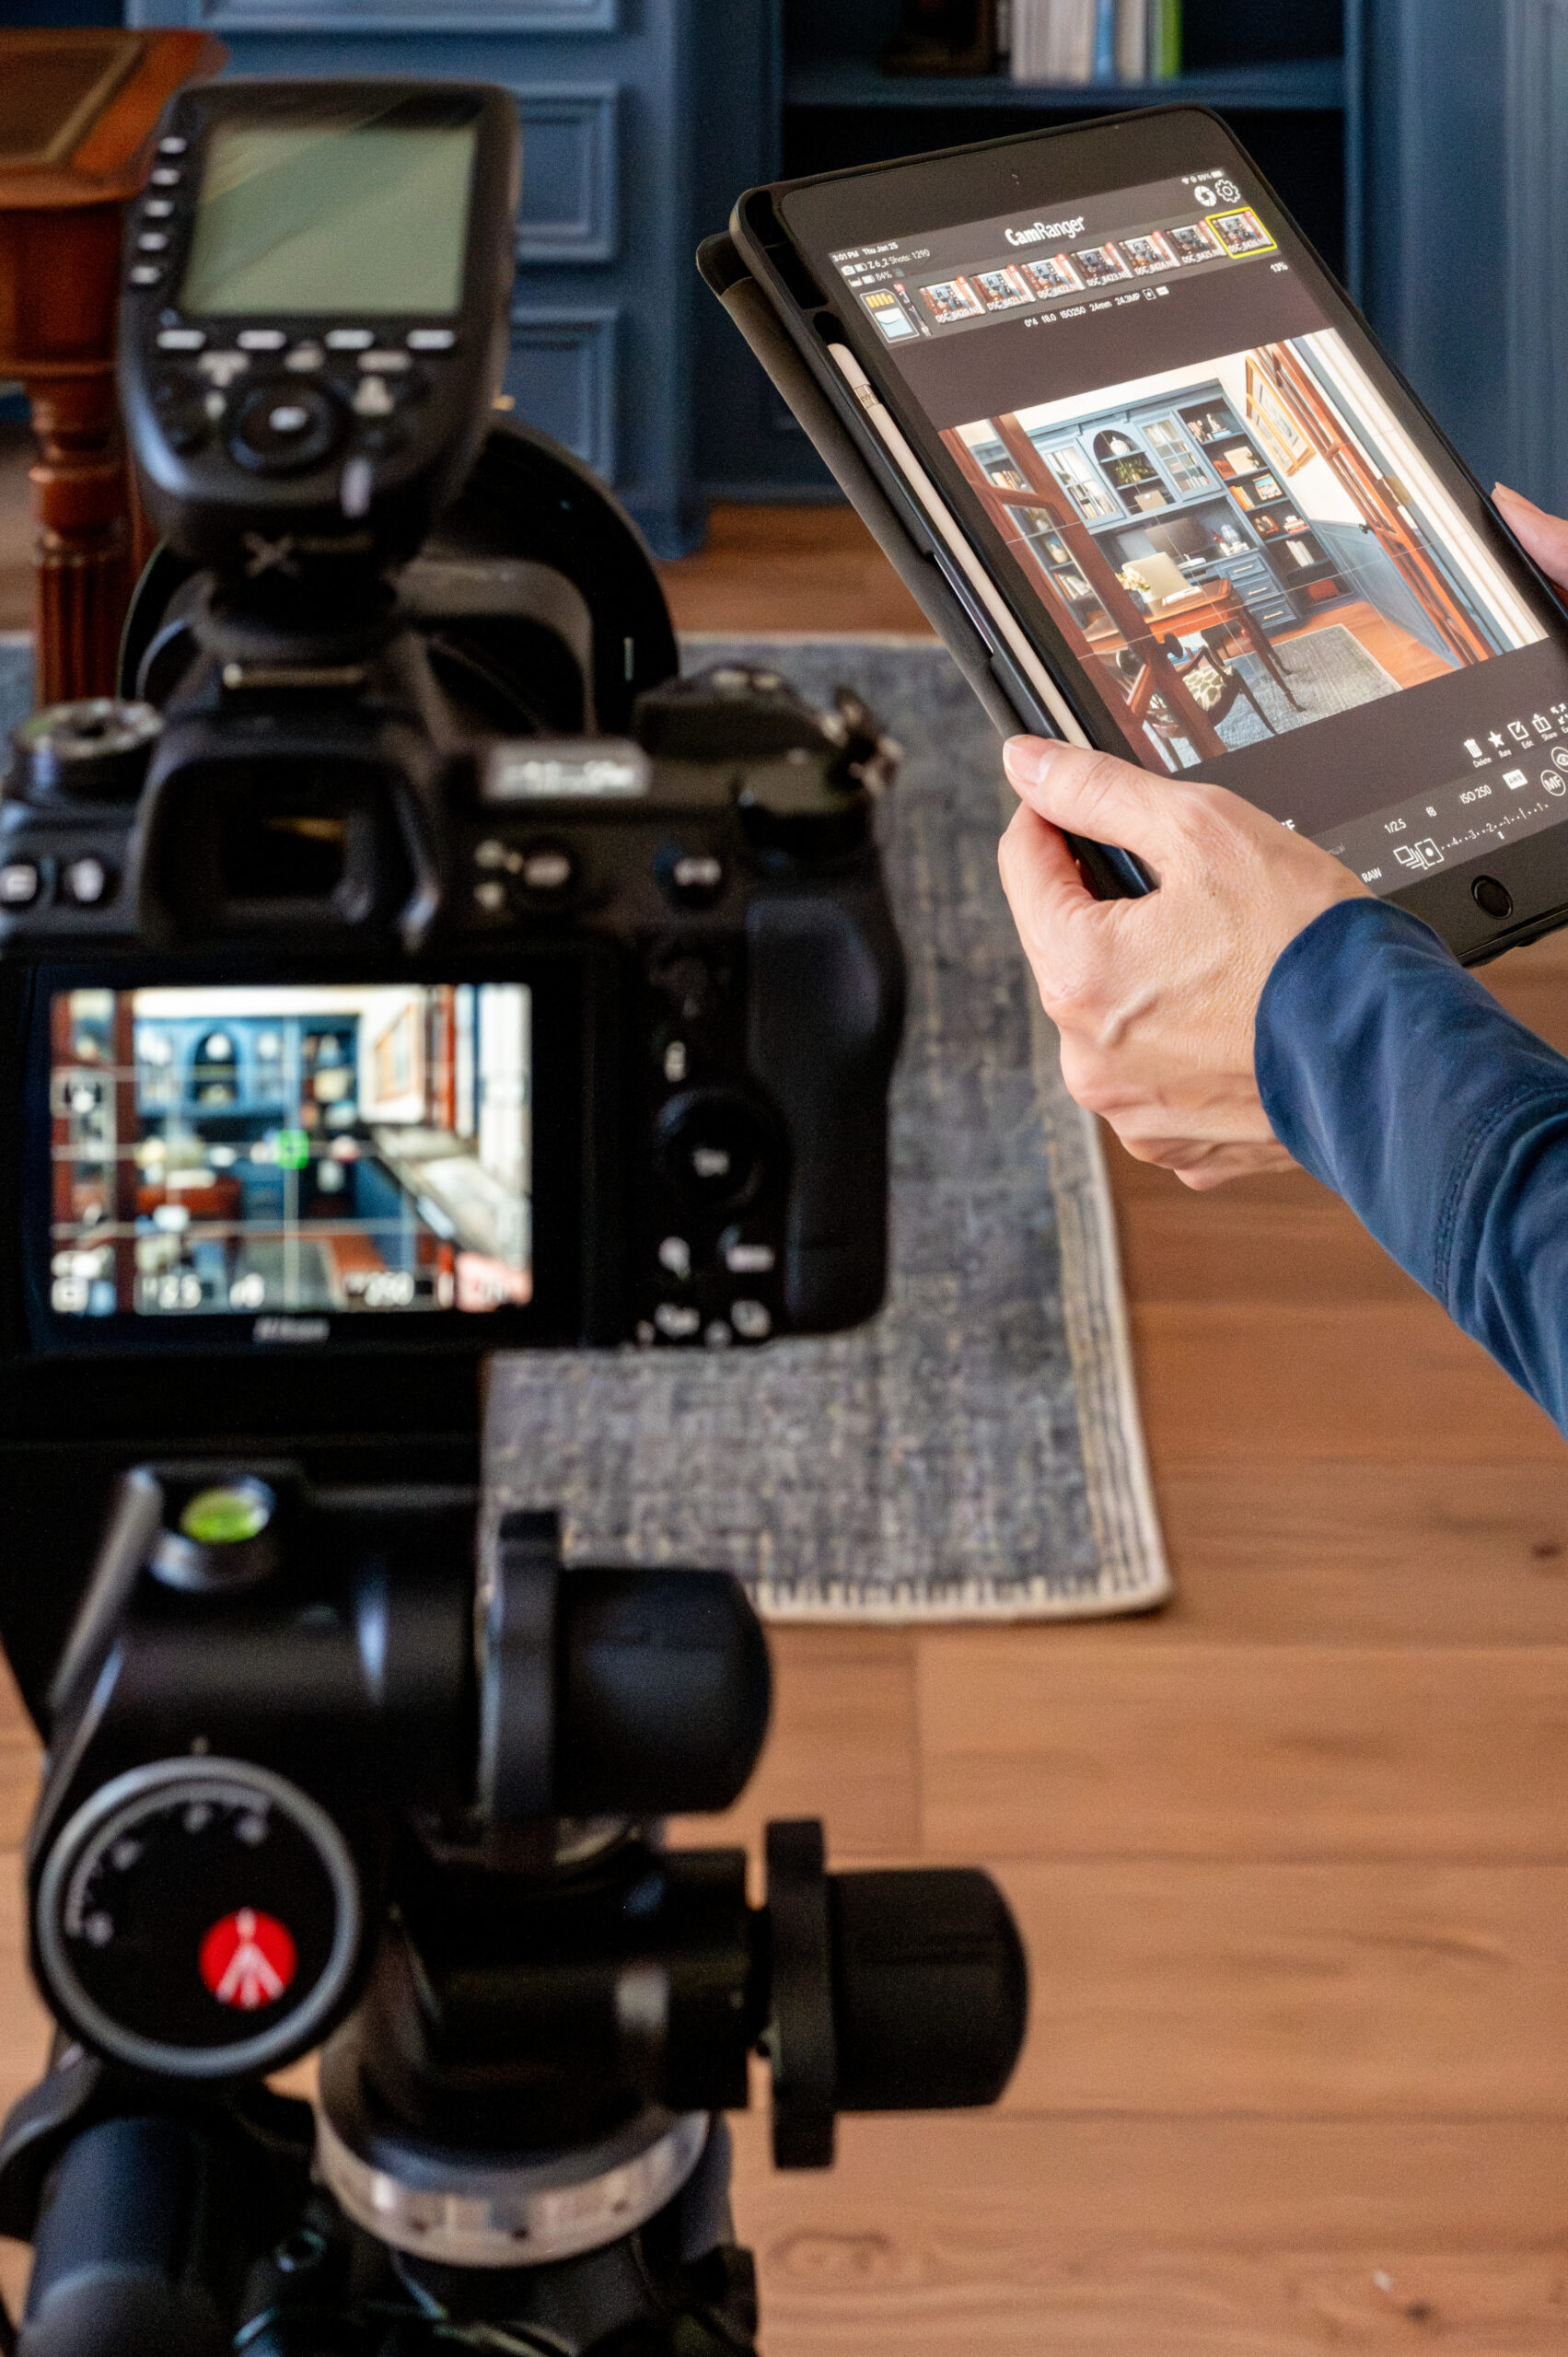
{"x":1243,"y":546}
{"x":297,"y":1149}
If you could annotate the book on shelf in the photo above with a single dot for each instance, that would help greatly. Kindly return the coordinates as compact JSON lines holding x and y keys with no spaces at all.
{"x":1077,"y":42}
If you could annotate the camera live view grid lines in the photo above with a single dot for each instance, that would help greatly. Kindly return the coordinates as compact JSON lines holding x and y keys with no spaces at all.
{"x":240,"y":1151}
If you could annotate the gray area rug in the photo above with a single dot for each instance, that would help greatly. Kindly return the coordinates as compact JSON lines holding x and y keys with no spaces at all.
{"x":1329,"y":670}
{"x":975,"y":1451}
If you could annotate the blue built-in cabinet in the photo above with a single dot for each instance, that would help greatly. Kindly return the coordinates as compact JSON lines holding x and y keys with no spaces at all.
{"x":640,"y":120}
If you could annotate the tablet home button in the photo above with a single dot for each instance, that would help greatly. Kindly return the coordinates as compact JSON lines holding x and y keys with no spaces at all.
{"x":1494,"y":898}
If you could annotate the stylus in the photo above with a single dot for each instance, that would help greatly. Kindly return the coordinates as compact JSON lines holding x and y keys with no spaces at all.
{"x":920,"y":483}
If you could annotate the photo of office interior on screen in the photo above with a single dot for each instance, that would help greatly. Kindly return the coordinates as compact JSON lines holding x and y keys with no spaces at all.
{"x":1245,"y":546}
{"x":249,"y":1149}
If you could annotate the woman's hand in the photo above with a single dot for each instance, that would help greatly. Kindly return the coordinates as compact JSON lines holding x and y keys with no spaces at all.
{"x":1157,"y":999}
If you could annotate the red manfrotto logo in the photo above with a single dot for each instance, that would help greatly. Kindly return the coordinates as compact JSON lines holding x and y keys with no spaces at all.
{"x":248,"y":1959}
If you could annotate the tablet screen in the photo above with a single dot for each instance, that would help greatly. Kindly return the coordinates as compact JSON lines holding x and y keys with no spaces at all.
{"x":1226,"y":507}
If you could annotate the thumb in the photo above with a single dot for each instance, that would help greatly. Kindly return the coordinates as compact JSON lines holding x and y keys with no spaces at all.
{"x":1091,"y":794}
{"x":1541,"y":536}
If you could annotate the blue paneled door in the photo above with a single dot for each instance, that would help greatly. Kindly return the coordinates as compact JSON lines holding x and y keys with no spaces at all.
{"x":610,"y":94}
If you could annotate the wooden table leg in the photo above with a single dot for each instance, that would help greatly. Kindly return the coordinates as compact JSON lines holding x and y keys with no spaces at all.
{"x":83,"y":550}
{"x":1259,"y":638}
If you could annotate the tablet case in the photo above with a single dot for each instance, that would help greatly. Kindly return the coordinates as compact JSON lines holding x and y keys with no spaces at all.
{"x":1005,"y":696}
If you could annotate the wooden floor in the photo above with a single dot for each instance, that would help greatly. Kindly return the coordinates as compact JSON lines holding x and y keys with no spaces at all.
{"x":1401,"y":654}
{"x":1292,"y":1857}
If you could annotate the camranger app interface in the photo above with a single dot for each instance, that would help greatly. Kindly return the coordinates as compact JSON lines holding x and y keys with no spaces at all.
{"x":1230,"y":522}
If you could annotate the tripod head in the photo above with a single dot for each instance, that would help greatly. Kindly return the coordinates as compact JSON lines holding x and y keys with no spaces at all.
{"x":343,"y":1765}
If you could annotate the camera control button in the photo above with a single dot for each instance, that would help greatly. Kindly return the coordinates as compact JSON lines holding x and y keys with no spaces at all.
{"x":157,"y":208}
{"x":19,"y":884}
{"x":675,"y":1062}
{"x":713,"y":1149}
{"x":281,"y":427}
{"x":146,"y":273}
{"x":692,"y":880}
{"x":372,"y":399}
{"x":305,"y":357}
{"x":547,"y":873}
{"x":152,"y":241}
{"x":261,"y":339}
{"x":431,"y":339}
{"x":747,"y":1259}
{"x":675,"y":1254}
{"x":349,"y":339}
{"x":386,"y":363}
{"x":166,"y":177}
{"x":180,"y":338}
{"x":750,"y":1320}
{"x":172,"y":146}
{"x":677,"y":1321}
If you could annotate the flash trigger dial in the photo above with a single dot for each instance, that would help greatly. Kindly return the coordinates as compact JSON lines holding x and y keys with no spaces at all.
{"x":198,"y":1918}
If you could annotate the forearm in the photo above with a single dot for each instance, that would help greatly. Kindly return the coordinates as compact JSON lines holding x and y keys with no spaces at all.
{"x":1394,"y":1077}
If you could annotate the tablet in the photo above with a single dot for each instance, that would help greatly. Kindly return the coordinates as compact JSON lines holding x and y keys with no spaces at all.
{"x":1191,"y":510}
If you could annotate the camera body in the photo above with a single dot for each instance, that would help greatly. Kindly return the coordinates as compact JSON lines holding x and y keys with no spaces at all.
{"x":414,"y":959}
{"x":691,"y":930}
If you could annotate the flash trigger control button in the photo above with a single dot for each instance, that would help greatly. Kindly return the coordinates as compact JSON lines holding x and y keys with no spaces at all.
{"x":750,"y":1320}
{"x":19,"y":883}
{"x":282,"y":427}
{"x":675,"y":1254}
{"x":87,"y":882}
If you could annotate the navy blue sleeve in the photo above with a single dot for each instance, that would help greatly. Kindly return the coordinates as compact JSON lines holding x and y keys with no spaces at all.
{"x":1400,"y":1083}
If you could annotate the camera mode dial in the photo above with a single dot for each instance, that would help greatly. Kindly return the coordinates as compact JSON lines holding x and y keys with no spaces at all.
{"x":199,"y":1918}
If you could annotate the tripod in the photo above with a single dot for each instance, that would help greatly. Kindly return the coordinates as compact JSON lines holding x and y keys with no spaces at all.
{"x":337,"y":1761}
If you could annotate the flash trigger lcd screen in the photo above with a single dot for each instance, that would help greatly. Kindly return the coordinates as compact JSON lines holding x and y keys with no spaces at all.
{"x":345,"y":216}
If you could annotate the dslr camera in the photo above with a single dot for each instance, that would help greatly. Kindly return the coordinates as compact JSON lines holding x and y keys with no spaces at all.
{"x":409,"y":965}
{"x":468,"y":961}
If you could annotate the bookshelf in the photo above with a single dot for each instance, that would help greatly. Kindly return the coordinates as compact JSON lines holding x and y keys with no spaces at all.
{"x":1288,"y":79}
{"x":1302,"y":84}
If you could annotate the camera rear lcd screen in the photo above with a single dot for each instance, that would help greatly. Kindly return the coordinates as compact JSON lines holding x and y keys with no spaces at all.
{"x":228,"y":1150}
{"x":1258,"y":552}
{"x":331,"y":216}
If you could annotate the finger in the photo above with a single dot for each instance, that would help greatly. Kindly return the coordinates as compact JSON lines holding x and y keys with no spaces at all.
{"x":1040,"y":875}
{"x":1542,"y":536}
{"x":1091,"y":794}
